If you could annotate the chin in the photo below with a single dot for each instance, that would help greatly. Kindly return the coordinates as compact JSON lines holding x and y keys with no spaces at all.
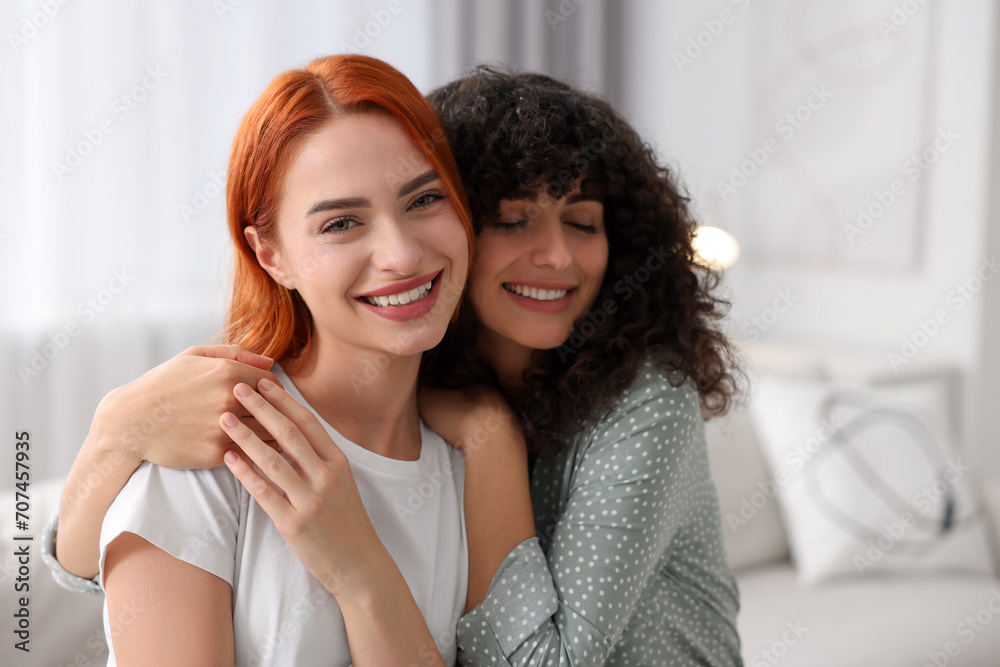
{"x":543,"y":340}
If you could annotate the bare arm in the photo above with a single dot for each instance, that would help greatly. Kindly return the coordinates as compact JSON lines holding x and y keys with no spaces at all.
{"x":498,"y":513}
{"x":157,"y":418}
{"x":163,"y":611}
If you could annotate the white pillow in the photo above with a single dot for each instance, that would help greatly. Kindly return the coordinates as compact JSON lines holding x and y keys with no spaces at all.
{"x":751,"y":524}
{"x":868,"y":480}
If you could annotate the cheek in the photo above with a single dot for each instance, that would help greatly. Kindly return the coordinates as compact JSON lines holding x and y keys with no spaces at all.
{"x":593,"y":258}
{"x":320,"y":268}
{"x":494,"y":253}
{"x":447,"y":236}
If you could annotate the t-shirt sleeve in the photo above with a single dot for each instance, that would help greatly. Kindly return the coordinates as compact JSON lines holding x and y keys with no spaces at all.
{"x":193,"y":515}
{"x":623,"y":517}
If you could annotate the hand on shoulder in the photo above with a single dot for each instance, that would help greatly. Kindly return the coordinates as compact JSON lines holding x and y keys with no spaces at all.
{"x":469,"y":418}
{"x":170,"y":415}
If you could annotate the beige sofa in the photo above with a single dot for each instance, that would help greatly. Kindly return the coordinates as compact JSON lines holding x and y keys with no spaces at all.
{"x":874,"y":621}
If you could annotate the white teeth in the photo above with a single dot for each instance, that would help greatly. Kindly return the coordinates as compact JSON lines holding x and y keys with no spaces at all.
{"x":402,"y":298}
{"x":536,"y":293}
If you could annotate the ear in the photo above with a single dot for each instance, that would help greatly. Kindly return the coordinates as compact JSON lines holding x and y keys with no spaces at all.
{"x":269,"y":257}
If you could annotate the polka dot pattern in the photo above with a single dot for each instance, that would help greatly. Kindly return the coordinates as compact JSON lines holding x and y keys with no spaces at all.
{"x":628,"y":567}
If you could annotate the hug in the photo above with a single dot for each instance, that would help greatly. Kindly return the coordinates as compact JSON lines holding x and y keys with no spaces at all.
{"x":471,"y":248}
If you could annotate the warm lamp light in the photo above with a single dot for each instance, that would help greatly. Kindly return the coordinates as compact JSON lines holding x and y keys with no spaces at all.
{"x":715,"y":248}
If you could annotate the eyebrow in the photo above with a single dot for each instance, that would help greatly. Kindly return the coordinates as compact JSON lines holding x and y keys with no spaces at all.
{"x":334,"y":204}
{"x":532,"y":196}
{"x":364,"y":202}
{"x":583,"y":196}
{"x":413,"y":184}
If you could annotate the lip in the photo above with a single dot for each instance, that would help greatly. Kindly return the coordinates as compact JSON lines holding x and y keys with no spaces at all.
{"x":410,"y":311}
{"x":405,"y":286}
{"x":550,"y":307}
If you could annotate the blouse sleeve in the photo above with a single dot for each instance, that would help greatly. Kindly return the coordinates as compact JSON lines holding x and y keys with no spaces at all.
{"x":625,"y":512}
{"x":64,"y":578}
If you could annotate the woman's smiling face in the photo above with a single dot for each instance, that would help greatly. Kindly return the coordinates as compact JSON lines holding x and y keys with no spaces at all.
{"x":537,"y":271}
{"x":369,"y":238}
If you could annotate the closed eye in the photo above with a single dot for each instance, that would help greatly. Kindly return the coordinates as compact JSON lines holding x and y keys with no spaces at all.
{"x":584,"y":227}
{"x":509,"y":225}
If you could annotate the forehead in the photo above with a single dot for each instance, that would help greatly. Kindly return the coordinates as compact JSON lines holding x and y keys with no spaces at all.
{"x":563,"y":185}
{"x":363,"y":151}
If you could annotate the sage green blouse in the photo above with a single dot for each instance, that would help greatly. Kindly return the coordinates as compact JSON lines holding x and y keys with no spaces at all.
{"x":628,"y":566}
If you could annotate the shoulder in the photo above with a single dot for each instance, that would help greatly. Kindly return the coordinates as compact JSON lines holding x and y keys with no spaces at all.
{"x":658,"y":415}
{"x":193,"y":515}
{"x":437,"y":452}
{"x":156,"y":484}
{"x":654,"y":395}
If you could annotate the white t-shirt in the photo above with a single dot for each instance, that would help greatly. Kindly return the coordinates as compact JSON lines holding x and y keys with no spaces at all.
{"x":282,"y":615}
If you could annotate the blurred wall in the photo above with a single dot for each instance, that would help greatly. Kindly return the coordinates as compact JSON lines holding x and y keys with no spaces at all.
{"x":847,"y":146}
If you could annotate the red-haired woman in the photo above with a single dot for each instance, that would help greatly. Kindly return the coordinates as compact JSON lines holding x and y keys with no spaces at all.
{"x":353,"y":242}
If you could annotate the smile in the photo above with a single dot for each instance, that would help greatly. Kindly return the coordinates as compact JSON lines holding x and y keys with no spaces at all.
{"x":535,"y":293}
{"x":412,"y":296}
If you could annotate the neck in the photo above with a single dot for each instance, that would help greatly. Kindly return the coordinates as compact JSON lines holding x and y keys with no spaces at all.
{"x":370,"y":397}
{"x":508,"y":359}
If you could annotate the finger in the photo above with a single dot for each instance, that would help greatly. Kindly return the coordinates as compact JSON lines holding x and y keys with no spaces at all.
{"x":272,"y":502}
{"x":286,"y":433}
{"x":270,"y":462}
{"x":258,"y":429}
{"x":302,"y":417}
{"x":234,"y":352}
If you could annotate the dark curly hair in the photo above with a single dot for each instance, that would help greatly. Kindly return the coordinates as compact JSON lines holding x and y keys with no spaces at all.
{"x":510,"y":132}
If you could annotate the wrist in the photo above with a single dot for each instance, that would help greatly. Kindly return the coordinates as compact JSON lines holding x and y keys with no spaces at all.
{"x":366,"y":584}
{"x":110,"y":439}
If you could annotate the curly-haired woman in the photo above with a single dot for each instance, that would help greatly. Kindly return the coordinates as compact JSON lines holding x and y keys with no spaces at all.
{"x":586,"y":310}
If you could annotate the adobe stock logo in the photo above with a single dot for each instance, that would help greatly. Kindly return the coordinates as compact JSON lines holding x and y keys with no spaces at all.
{"x":32,"y":24}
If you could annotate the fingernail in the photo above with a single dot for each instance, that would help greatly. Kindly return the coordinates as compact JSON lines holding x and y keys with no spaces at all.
{"x":230,"y":420}
{"x":266,"y":385}
{"x":243,"y":390}
{"x":231,"y":457}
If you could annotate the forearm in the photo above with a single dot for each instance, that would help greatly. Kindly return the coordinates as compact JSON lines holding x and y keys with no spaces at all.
{"x":498,"y":512}
{"x":99,"y":473}
{"x":385,"y":626}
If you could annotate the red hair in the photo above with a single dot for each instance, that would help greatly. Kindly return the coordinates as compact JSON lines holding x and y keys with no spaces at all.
{"x":265,"y":317}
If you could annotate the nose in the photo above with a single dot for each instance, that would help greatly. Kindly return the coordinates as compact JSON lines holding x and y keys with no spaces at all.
{"x":397,"y":250}
{"x":550,"y":248}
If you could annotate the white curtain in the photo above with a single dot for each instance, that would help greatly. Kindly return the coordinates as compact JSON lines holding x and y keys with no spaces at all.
{"x":115,"y":124}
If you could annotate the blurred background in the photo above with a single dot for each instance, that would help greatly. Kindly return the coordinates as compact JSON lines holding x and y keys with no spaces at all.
{"x":848,"y":147}
{"x":788,"y":121}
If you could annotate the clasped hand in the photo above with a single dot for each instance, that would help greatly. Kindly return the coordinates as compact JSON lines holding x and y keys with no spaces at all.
{"x":318,"y":509}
